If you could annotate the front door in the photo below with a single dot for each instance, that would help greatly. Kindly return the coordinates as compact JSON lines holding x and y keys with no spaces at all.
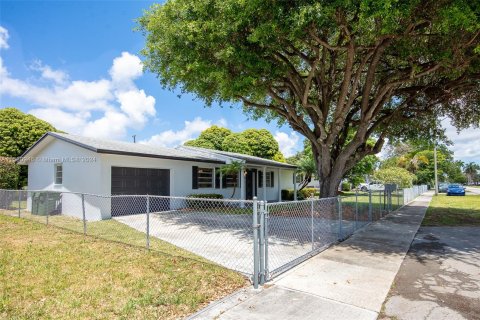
{"x":251,"y":184}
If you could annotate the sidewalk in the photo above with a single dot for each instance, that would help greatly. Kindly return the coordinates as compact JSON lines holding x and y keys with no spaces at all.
{"x":347,"y":281}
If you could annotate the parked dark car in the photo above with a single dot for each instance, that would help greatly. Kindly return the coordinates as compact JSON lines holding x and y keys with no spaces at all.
{"x":455,"y":190}
{"x":442,"y":187}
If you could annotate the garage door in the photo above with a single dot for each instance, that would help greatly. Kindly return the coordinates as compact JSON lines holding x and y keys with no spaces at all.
{"x":139,"y":181}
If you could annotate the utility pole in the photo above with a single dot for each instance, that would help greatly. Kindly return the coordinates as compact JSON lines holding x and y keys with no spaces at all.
{"x":435,"y":157}
{"x":134,"y":138}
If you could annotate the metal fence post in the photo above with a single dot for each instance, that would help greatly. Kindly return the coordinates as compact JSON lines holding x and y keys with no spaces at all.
{"x":370,"y":209}
{"x":313,"y":242}
{"x":262,"y":242}
{"x":398,"y":198}
{"x":47,"y":212}
{"x":380,"y":200}
{"x":256,"y":256}
{"x":83,"y":215}
{"x":267,"y":220}
{"x":19,"y":201}
{"x":356,"y":210}
{"x":340,"y":219}
{"x":148,"y":223}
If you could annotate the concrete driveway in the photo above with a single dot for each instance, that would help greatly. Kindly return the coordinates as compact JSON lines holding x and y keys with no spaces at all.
{"x":440,"y":277}
{"x":227,"y":238}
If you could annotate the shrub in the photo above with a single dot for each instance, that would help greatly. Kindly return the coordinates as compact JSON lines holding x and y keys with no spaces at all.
{"x":399,"y":176}
{"x":305,"y":193}
{"x":346,"y":186}
{"x":199,"y":204}
{"x":206,"y":196}
{"x":9,"y":173}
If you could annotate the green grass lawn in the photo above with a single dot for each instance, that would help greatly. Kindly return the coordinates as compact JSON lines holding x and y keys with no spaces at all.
{"x":453,"y":211}
{"x":51,"y":273}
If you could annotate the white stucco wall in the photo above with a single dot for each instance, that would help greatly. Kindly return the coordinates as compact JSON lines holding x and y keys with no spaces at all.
{"x":81,"y":173}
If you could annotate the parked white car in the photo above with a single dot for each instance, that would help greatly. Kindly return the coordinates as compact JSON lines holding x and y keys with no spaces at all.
{"x":372,"y":186}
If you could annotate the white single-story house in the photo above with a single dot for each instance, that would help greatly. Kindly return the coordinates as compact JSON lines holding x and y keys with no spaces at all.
{"x":71,"y":163}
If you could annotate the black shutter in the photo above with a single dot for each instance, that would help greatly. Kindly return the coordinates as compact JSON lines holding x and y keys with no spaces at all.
{"x":224,"y":181}
{"x":260,"y":179}
{"x":217,"y":178}
{"x":272,"y":179}
{"x":194,"y":177}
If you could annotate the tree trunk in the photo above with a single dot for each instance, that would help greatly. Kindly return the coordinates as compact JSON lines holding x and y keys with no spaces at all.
{"x":330,"y":172}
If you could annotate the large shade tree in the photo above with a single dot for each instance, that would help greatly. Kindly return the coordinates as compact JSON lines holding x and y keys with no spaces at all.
{"x":380,"y":69}
{"x":18,"y":132}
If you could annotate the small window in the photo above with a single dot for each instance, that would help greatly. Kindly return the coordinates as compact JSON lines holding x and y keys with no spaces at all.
{"x":230,"y":181}
{"x":268,"y":179}
{"x":205,"y":178}
{"x":58,"y":173}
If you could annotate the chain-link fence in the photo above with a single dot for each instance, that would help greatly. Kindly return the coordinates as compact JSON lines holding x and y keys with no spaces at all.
{"x":252,"y":237}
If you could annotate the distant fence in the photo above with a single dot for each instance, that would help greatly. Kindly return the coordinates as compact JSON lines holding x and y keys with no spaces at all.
{"x":256,"y":238}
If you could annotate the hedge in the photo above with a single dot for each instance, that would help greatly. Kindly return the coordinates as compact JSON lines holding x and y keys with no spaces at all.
{"x":199,"y":204}
{"x":305,"y":193}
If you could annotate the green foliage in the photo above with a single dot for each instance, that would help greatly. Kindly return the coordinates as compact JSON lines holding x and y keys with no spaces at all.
{"x":232,"y":168}
{"x":364,"y":167}
{"x":380,"y":69}
{"x":398,"y":176}
{"x":346,"y":186}
{"x":205,"y":196}
{"x":9,"y":173}
{"x":259,"y":143}
{"x":306,"y":193}
{"x":418,"y":159}
{"x":254,"y":142}
{"x":19,"y":131}
{"x":211,"y":138}
{"x":472,"y":173}
{"x":198,"y":204}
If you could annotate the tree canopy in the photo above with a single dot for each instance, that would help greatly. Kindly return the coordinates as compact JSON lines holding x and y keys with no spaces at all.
{"x":211,"y":138}
{"x":380,"y":69}
{"x":18,"y":131}
{"x":394,"y":175}
{"x":255,"y":142}
{"x":418,"y":159}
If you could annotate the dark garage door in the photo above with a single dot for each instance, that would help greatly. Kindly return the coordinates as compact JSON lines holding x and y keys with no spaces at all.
{"x":139,"y":181}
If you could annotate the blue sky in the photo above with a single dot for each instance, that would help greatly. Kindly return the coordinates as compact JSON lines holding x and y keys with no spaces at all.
{"x":58,"y":48}
{"x":77,"y":65}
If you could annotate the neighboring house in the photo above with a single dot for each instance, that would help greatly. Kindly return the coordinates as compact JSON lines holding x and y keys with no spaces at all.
{"x":71,"y":163}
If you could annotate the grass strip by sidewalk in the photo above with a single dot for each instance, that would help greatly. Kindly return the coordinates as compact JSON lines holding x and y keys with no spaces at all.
{"x":50,"y":273}
{"x":453,"y":211}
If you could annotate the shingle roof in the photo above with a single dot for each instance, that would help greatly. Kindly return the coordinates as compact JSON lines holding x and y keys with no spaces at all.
{"x":143,"y":150}
{"x":239,"y":156}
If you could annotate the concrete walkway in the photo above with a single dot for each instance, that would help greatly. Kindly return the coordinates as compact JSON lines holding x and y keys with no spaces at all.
{"x":439,"y":278}
{"x":348,"y":281}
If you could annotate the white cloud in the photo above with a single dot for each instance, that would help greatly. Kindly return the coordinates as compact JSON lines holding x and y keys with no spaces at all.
{"x":48,"y":73}
{"x":67,"y":121}
{"x":465,"y":143}
{"x":74,"y":105}
{"x":125,"y":69}
{"x":3,"y":38}
{"x":288,"y":143}
{"x":190,"y":131}
{"x":137,"y":105}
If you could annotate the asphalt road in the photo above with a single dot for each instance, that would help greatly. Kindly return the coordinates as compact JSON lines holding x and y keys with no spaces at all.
{"x":473,"y":190}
